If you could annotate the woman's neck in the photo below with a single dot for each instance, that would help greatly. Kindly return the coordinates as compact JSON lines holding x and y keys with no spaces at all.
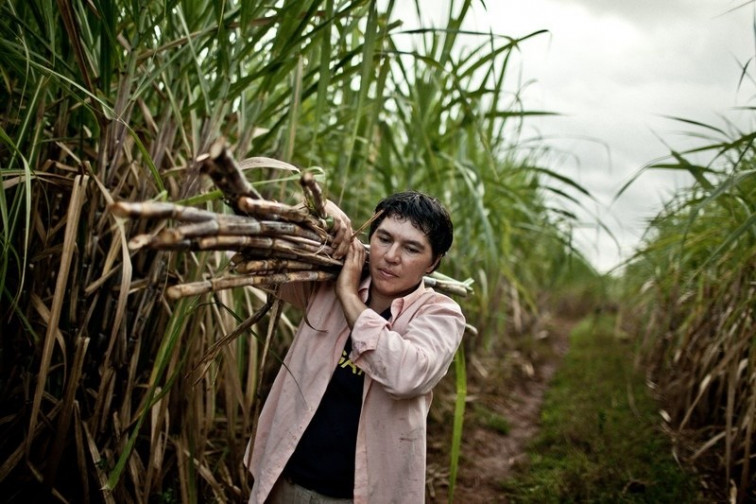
{"x":378,"y":303}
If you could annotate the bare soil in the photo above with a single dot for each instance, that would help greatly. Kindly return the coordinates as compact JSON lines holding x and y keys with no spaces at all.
{"x":509,"y":388}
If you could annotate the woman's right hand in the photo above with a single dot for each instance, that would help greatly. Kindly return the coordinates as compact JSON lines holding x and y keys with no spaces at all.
{"x":348,"y":282}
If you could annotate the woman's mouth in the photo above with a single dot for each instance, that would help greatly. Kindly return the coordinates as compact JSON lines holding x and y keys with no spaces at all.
{"x":386,"y":273}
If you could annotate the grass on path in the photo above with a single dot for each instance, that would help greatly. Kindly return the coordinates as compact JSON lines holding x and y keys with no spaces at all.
{"x":600,"y":439}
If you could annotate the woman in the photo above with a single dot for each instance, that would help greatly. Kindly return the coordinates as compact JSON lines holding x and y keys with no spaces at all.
{"x":345,"y":420}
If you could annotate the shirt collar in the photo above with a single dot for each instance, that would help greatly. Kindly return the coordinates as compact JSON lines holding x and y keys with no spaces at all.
{"x":400,"y":303}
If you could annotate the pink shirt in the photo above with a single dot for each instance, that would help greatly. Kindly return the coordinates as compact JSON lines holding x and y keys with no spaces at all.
{"x":403,"y":359}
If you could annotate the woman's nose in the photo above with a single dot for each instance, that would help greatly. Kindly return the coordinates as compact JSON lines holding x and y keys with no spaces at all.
{"x":392,"y":254}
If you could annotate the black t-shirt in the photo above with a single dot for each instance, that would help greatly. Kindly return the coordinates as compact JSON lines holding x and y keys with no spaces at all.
{"x":323,"y":460}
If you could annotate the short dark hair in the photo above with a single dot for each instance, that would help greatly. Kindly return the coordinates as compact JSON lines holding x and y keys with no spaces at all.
{"x":425,"y":212}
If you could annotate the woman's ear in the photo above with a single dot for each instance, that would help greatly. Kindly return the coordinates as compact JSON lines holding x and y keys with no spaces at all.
{"x":433,"y":266}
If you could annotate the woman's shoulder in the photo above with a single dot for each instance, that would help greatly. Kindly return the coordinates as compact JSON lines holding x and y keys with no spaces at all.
{"x":431,"y":300}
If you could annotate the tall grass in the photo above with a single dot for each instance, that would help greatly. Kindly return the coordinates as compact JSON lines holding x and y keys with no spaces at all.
{"x":109,"y":100}
{"x":692,"y":288}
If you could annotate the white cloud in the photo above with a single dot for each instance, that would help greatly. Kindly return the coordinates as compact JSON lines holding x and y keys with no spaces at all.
{"x":615,"y":69}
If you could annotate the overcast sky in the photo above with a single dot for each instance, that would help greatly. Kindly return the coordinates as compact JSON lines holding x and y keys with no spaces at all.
{"x":614,"y":69}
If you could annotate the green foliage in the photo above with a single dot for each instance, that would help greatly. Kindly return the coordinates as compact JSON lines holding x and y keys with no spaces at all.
{"x":491,"y":419}
{"x":114,"y":100}
{"x":690,"y":290}
{"x":460,"y":375}
{"x":600,"y":439}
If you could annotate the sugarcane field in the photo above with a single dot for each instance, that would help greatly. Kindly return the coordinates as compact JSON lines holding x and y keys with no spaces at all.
{"x":186,"y":185}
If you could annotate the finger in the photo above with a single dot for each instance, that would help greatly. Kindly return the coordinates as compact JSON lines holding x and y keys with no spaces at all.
{"x":359,"y":252}
{"x":344,"y":248}
{"x":337,"y":238}
{"x":351,"y":253}
{"x":341,"y":240}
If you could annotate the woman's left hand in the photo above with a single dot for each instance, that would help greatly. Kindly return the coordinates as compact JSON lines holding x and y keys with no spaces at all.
{"x":349,"y":278}
{"x":341,"y":231}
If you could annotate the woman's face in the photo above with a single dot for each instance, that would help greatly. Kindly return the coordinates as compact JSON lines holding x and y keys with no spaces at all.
{"x":400,"y":255}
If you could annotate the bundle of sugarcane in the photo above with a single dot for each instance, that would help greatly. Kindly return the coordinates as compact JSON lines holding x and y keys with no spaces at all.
{"x":274,"y":242}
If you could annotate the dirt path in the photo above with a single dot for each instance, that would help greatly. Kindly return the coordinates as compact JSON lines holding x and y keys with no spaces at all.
{"x":488,"y":454}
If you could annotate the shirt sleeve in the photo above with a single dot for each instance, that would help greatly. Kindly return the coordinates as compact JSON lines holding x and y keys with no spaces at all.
{"x":411,"y":363}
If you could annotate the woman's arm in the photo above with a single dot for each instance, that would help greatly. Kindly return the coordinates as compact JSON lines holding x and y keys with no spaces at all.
{"x":412,"y":362}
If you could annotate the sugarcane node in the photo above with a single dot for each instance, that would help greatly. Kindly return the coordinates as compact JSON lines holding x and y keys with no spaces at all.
{"x":268,"y":266}
{"x":148,"y":209}
{"x":139,"y":241}
{"x":166,"y":236}
{"x":119,"y":209}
